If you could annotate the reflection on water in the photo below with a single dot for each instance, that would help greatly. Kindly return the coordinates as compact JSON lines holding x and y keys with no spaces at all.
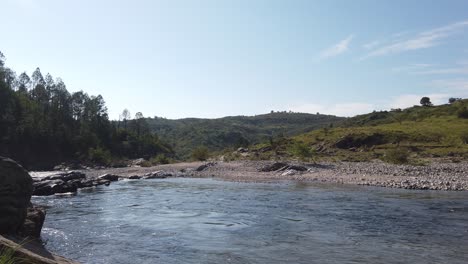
{"x":209,"y":221}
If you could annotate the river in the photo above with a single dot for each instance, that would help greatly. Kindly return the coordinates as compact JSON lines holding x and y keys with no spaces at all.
{"x":182,"y":220}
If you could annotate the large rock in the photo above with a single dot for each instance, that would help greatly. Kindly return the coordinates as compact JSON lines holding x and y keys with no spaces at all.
{"x":273,"y":167}
{"x":110,"y":177}
{"x":15,"y":194}
{"x":34,"y":221}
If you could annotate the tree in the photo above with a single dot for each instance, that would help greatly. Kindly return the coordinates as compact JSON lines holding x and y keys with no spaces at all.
{"x":453,"y":100}
{"x":125,"y":116}
{"x":23,"y":82}
{"x":425,"y":101}
{"x":37,"y":78}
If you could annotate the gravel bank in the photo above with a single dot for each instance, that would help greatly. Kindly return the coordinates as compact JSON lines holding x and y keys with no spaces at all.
{"x":436,"y":176}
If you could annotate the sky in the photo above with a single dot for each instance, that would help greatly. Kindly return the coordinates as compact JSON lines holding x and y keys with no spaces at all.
{"x":218,"y":58}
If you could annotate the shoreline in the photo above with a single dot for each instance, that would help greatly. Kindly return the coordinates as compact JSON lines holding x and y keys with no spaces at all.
{"x":435,"y":176}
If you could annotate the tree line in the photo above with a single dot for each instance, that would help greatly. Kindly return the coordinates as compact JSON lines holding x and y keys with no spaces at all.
{"x":42,"y":124}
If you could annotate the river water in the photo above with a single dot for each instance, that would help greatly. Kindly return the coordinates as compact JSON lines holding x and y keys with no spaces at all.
{"x":210,"y":221}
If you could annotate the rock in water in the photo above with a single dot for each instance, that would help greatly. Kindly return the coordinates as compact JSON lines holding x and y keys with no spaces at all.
{"x":34,"y":221}
{"x":15,"y":193}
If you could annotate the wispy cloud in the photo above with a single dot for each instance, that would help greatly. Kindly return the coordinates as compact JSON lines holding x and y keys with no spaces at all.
{"x":432,"y":69}
{"x":337,"y":49}
{"x":371,"y":45}
{"x":339,"y":109}
{"x":422,"y":40}
{"x":459,"y":85}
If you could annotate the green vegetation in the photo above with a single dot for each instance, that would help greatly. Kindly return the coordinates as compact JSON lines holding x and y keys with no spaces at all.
{"x":42,"y":124}
{"x":7,"y":256}
{"x":184,"y":135}
{"x":200,"y":153}
{"x":398,"y":136}
{"x":396,"y":156}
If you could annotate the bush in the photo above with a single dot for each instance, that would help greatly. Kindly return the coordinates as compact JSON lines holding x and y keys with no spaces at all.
{"x":160,"y":159}
{"x":396,"y":156}
{"x":99,"y":155}
{"x":200,"y":153}
{"x":464,"y":138}
{"x":302,"y":151}
{"x":463,"y":113}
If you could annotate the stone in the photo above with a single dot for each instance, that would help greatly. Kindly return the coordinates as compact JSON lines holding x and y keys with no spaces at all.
{"x":134,"y":177}
{"x":273,"y":167}
{"x":34,"y":221}
{"x":110,"y":177}
{"x":15,"y":194}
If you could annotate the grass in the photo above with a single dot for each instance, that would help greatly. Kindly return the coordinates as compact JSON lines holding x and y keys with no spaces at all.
{"x":411,"y":135}
{"x":7,"y":256}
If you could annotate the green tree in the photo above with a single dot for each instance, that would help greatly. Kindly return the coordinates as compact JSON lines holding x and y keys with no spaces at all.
{"x":425,"y":101}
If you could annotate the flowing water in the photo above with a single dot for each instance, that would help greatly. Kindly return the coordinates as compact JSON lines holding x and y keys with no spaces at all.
{"x":210,"y":221}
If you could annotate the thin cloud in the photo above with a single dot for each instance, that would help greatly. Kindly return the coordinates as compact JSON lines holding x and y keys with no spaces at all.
{"x":337,"y":49}
{"x":340,"y":109}
{"x":371,"y":44}
{"x":431,"y":69}
{"x":422,"y":40}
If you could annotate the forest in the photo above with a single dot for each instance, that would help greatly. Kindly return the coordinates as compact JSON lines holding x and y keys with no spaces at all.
{"x":42,"y":124}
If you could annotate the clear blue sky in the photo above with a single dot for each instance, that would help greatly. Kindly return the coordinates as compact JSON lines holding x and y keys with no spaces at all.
{"x":216,"y":58}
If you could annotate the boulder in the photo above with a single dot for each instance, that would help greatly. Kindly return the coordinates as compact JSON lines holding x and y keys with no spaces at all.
{"x":157,"y":175}
{"x":66,"y":176}
{"x":50,"y":187}
{"x":110,"y":177}
{"x":15,"y":194}
{"x":205,"y":166}
{"x":34,"y":221}
{"x":134,"y":177}
{"x":273,"y":167}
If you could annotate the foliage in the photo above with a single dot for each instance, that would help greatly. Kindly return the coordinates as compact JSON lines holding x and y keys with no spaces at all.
{"x":453,"y":100}
{"x":200,"y":153}
{"x":99,"y":156}
{"x":463,"y":113}
{"x":160,"y":159}
{"x":303,"y":151}
{"x":425,"y":132}
{"x":426,"y":101}
{"x":42,"y":124}
{"x":7,"y":256}
{"x":235,"y":131}
{"x":396,"y":156}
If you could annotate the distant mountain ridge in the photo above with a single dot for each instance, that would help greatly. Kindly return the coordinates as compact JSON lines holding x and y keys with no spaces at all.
{"x":186,"y":134}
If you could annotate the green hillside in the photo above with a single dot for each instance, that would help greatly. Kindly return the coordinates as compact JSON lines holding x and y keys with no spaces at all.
{"x":184,"y":135}
{"x":417,"y":133}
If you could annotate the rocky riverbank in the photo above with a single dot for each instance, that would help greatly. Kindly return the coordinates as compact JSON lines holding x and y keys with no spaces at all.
{"x":436,"y":176}
{"x":20,"y":221}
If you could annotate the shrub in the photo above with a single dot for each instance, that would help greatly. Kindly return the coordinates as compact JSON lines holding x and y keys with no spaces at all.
{"x":302,"y":151}
{"x":200,"y":153}
{"x":99,"y":156}
{"x":396,"y":156}
{"x":160,"y":159}
{"x":464,"y":138}
{"x":463,"y":113}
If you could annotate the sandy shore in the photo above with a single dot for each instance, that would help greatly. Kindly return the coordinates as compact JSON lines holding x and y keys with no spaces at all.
{"x":436,"y":176}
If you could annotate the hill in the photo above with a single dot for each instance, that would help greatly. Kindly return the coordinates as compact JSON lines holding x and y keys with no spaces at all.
{"x":185,"y":135}
{"x":399,"y":136}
